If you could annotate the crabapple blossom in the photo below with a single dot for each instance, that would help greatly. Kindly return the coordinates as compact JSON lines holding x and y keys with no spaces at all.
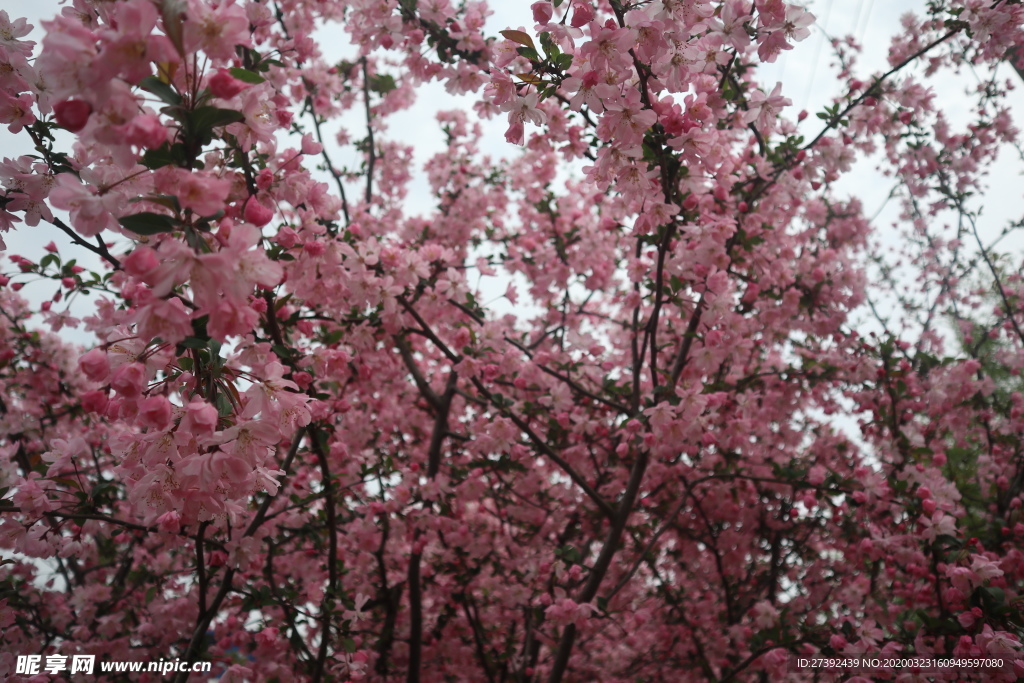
{"x":710,"y":424}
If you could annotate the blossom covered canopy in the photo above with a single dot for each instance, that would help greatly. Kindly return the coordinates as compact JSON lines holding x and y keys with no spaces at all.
{"x":307,"y":444}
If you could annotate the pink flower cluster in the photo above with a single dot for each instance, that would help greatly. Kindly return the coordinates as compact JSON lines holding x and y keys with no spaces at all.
{"x":607,"y":410}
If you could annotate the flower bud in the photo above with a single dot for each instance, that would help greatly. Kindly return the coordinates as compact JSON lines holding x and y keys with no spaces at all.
{"x":155,"y":412}
{"x":141,"y":262}
{"x":256,"y":213}
{"x":129,"y":380}
{"x":95,"y":365}
{"x":145,"y":131}
{"x":95,"y":401}
{"x":542,"y":12}
{"x":582,"y":14}
{"x":225,"y":86}
{"x":72,"y":115}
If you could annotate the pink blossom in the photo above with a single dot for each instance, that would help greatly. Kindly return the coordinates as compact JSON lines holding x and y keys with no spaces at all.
{"x":145,"y":131}
{"x":626,"y":119}
{"x":730,"y":23}
{"x":521,"y":110}
{"x":72,"y":114}
{"x":200,"y":418}
{"x":169,"y":522}
{"x":998,"y":642}
{"x":129,"y":380}
{"x":94,"y":401}
{"x":155,"y":412}
{"x":95,"y":365}
{"x":542,"y":11}
{"x":202,"y":193}
{"x":225,"y":86}
{"x":141,"y":262}
{"x":582,"y":13}
{"x":763,"y":109}
{"x":256,"y":213}
{"x":91,"y":212}
{"x":16,"y":112}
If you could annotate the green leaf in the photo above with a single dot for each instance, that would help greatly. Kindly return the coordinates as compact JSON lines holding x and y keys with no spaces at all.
{"x":281,"y":351}
{"x":529,"y":52}
{"x":200,"y":122}
{"x":224,"y":407}
{"x":154,"y":85}
{"x":382,"y":83}
{"x":165,"y":155}
{"x":569,"y":554}
{"x":550,"y":48}
{"x":172,"y":12}
{"x":246,"y":76}
{"x":213,"y":117}
{"x":989,"y":598}
{"x":147,"y":223}
{"x":193,"y":343}
{"x":165,"y":200}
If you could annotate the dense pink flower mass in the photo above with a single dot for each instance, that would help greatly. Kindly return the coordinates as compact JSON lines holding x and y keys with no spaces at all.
{"x":307,"y":445}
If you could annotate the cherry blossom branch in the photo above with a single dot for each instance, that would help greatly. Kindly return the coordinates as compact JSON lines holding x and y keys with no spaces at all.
{"x":628,"y":576}
{"x":570,"y":382}
{"x":100,"y":250}
{"x":421,"y":383}
{"x":204,"y":619}
{"x":201,"y":566}
{"x":370,"y":146}
{"x":522,"y":424}
{"x":390,"y":597}
{"x":327,"y":160}
{"x":601,"y":565}
{"x":996,"y":277}
{"x":659,"y":285}
{"x":110,"y":520}
{"x":686,"y":343}
{"x":437,"y":437}
{"x":326,"y":604}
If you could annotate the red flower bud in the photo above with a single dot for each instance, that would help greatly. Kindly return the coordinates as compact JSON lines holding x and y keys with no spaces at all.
{"x":582,"y":14}
{"x":72,"y":115}
{"x":542,"y":12}
{"x":257,"y":214}
{"x":225,"y":86}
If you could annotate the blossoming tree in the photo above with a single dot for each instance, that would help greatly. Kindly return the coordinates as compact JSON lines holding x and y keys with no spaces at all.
{"x":306,"y":447}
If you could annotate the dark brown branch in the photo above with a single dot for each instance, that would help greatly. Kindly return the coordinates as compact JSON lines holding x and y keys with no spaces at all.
{"x":443,"y":408}
{"x":100,"y":250}
{"x":371,"y":150}
{"x":206,"y":617}
{"x":327,"y":603}
{"x":601,"y":565}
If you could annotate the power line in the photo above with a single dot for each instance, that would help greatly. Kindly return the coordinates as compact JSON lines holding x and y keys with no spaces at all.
{"x":867,"y":18}
{"x":817,"y":53}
